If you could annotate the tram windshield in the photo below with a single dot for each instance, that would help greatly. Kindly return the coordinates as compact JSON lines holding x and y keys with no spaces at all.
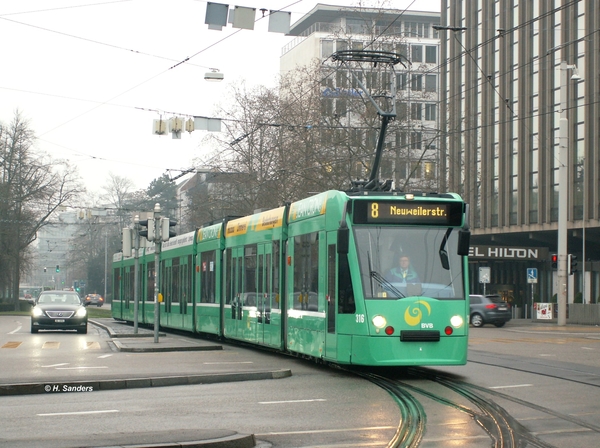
{"x":398,"y":262}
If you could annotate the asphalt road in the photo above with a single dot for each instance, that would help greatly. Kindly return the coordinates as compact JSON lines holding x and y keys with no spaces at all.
{"x":555,"y":372}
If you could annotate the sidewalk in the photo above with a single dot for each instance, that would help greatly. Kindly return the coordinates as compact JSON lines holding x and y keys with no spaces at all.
{"x":539,"y":325}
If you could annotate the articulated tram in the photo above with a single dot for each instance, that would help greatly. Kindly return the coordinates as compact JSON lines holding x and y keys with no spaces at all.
{"x":319,"y":278}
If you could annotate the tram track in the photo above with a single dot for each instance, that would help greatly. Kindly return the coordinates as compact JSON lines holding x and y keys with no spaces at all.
{"x":503,"y":430}
{"x":412,"y":424}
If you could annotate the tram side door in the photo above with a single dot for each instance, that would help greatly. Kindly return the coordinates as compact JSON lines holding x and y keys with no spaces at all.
{"x":331,"y":296}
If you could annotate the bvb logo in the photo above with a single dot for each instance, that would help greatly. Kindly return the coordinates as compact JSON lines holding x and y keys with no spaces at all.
{"x":413,"y":314}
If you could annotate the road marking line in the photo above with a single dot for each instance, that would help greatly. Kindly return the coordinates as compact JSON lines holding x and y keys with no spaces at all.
{"x":51,"y":344}
{"x":291,"y":401}
{"x":513,"y":385}
{"x":57,"y":365}
{"x":79,"y":413}
{"x":104,"y":356}
{"x":325,"y":431}
{"x":75,"y":368}
{"x":17,"y":329}
{"x":225,"y":362}
{"x":12,"y":344}
{"x":92,"y":345}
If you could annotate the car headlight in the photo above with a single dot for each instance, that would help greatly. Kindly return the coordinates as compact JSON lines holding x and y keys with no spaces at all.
{"x":37,"y":312}
{"x":81,"y":312}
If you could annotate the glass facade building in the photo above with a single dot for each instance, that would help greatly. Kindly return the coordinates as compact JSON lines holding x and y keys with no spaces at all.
{"x":500,"y":105}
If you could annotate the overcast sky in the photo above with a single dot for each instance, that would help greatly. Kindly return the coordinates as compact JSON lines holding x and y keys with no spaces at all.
{"x":91,"y":76}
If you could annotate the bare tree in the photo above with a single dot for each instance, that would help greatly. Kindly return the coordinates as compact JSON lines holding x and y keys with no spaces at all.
{"x":118,"y":193}
{"x":32,"y":188}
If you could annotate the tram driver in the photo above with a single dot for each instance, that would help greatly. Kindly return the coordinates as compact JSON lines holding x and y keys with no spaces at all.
{"x":403,"y":273}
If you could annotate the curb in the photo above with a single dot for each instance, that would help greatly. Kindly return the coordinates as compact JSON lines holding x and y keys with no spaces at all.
{"x":180,"y":348}
{"x":134,"y":383}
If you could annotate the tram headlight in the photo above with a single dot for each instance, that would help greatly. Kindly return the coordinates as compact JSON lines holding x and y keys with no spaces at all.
{"x":457,"y":321}
{"x":379,"y":321}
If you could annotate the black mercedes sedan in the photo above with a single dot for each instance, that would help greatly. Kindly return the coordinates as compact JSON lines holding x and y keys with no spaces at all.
{"x":59,"y":310}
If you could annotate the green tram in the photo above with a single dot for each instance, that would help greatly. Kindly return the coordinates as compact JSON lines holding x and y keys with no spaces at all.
{"x":376,"y":279}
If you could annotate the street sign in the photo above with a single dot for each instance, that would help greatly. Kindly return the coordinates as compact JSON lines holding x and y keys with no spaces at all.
{"x":484,"y":274}
{"x":532,"y":275}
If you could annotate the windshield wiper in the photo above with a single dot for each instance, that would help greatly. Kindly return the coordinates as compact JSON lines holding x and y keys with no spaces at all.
{"x":386,"y":284}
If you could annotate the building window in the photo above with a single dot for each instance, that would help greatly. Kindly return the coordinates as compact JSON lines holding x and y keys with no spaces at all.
{"x":430,"y":112}
{"x":416,"y":83}
{"x":431,"y":54}
{"x":417,"y":53}
{"x":415,"y":140}
{"x":430,"y":83}
{"x":400,"y":81}
{"x":415,"y":111}
{"x":326,"y":48}
{"x":429,"y":170}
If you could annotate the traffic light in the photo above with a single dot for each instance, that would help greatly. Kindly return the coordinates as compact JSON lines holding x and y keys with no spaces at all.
{"x":57,"y":268}
{"x":554,"y":261}
{"x":147,"y":232}
{"x":165,"y":228}
{"x":572,"y":264}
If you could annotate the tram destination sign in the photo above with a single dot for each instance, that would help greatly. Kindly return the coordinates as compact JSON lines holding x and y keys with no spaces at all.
{"x":402,"y":212}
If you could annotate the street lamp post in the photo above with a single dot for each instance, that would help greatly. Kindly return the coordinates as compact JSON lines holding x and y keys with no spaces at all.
{"x":563,"y":192}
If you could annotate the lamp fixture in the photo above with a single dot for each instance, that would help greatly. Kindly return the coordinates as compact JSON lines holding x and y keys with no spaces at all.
{"x":214,"y":75}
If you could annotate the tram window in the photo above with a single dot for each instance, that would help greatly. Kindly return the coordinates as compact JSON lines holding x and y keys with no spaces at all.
{"x":166,"y":286}
{"x":150,"y":282}
{"x":331,"y":253}
{"x":260,"y":271}
{"x":229,"y":270}
{"x":275,"y":274}
{"x":250,"y":261}
{"x":306,"y":272}
{"x":175,"y":281}
{"x":128,"y":290}
{"x":187,"y":293}
{"x":208,"y":277}
{"x":116,"y":284}
{"x":346,"y":304}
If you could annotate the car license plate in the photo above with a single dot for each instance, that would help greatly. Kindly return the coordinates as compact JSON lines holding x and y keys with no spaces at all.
{"x":59,"y":320}
{"x":502,"y":308}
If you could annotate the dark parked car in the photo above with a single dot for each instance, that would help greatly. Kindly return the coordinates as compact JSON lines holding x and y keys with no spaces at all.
{"x":489,"y":309}
{"x":94,"y":299}
{"x":58,"y":310}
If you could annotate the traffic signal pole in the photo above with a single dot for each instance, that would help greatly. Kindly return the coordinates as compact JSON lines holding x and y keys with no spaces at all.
{"x":157,"y":247}
{"x":156,"y":230}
